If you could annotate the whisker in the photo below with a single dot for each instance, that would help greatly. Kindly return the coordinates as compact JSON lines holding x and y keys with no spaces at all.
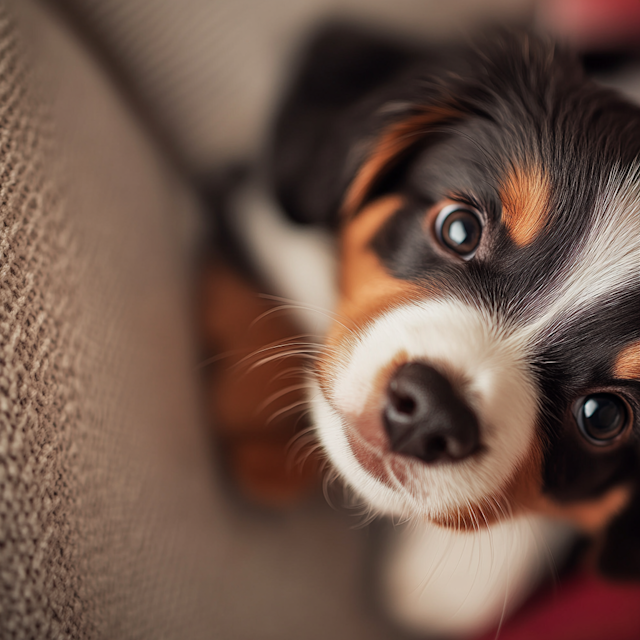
{"x":475,"y":541}
{"x":461,"y":555}
{"x":311,"y":450}
{"x":435,"y":570}
{"x":399,"y":485}
{"x":278,"y":394}
{"x":279,"y":345}
{"x":291,"y":340}
{"x":505,"y":599}
{"x":217,"y":358}
{"x":285,"y":410}
{"x":291,"y":307}
{"x":303,"y":439}
{"x":366,"y":518}
{"x":303,"y":414}
{"x":286,"y":354}
{"x":305,"y":432}
{"x":551,"y":562}
{"x":296,"y":304}
{"x":329,"y":478}
{"x":291,"y":372}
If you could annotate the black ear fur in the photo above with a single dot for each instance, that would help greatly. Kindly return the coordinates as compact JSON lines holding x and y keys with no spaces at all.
{"x":620,"y":555}
{"x":353,"y":84}
{"x":345,"y":76}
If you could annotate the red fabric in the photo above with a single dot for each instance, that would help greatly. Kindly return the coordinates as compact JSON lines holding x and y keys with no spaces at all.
{"x":593,"y":22}
{"x":582,"y":607}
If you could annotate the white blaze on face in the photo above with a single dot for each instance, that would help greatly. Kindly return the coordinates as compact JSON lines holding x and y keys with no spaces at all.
{"x":608,"y":260}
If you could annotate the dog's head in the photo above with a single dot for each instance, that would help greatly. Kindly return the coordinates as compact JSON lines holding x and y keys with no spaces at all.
{"x":485,"y":359}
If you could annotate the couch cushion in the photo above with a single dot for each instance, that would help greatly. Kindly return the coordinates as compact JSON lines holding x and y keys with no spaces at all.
{"x":112,"y":520}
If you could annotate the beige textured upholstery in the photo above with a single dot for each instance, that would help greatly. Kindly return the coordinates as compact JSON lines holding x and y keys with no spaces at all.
{"x":112,"y":520}
{"x":211,"y":71}
{"x":111,"y":525}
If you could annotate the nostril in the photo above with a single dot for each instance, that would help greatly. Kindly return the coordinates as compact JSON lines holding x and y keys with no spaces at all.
{"x":438,"y":445}
{"x":434,"y":448}
{"x":402,"y":403}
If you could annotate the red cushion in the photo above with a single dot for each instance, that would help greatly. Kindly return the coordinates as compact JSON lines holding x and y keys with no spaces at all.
{"x":582,"y":607}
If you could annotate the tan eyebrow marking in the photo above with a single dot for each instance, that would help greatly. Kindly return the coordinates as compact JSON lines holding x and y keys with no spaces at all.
{"x":394,"y":140}
{"x":627,"y":365}
{"x":525,"y":198}
{"x":365,"y":285}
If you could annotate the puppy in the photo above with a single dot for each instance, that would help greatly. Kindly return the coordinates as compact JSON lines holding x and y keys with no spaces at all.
{"x":483,"y":370}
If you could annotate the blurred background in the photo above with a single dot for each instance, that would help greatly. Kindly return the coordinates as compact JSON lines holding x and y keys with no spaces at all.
{"x":210,"y":71}
{"x":150,"y":97}
{"x":205,"y":77}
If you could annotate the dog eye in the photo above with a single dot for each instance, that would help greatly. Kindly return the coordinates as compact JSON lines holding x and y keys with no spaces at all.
{"x":601,"y":417}
{"x":459,"y":229}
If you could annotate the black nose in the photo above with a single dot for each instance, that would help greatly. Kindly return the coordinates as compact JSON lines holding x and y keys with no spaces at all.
{"x":426,"y":418}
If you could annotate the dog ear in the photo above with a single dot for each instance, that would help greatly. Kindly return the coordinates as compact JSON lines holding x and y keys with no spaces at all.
{"x":620,"y":555}
{"x":360,"y":103}
{"x":331,"y":114}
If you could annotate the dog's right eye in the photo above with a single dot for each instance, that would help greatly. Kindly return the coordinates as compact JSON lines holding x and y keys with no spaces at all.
{"x":602,"y":417}
{"x":459,"y":229}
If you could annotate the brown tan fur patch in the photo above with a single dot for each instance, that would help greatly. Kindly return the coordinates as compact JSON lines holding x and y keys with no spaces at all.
{"x":366,"y":288}
{"x":393,"y":141}
{"x":523,"y":495}
{"x":365,"y":284}
{"x":592,"y":516}
{"x":249,"y":400}
{"x":521,"y":492}
{"x":627,"y":366}
{"x":525,"y":197}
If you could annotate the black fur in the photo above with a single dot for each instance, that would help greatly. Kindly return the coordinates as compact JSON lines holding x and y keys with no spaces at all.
{"x":345,"y":76}
{"x":523,"y":101}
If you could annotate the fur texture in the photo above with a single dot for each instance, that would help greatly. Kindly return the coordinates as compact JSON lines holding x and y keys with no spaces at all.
{"x":379,"y":142}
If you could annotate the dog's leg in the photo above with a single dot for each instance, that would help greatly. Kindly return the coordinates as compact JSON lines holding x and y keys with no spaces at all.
{"x":255,"y":382}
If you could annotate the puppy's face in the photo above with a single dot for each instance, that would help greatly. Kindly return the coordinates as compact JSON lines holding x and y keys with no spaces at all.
{"x":486,"y":357}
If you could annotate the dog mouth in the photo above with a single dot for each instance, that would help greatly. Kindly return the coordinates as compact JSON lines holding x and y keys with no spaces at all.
{"x":387,"y":467}
{"x":427,"y":419}
{"x":415,"y":417}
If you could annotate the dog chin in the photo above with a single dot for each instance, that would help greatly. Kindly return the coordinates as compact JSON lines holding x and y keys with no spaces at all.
{"x":442,"y":580}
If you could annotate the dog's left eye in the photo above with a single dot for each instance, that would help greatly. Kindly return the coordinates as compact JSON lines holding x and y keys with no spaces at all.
{"x":601,"y":417}
{"x":459,"y":229}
